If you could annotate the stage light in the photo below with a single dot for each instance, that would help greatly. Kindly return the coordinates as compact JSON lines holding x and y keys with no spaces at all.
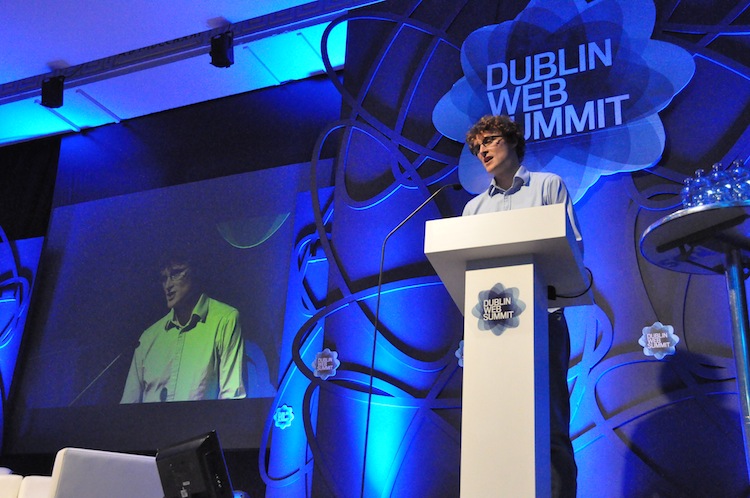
{"x":52,"y":91}
{"x":222,"y":49}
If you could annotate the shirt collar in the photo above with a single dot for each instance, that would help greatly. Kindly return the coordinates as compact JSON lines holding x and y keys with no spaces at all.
{"x":520,"y":179}
{"x":200,"y":311}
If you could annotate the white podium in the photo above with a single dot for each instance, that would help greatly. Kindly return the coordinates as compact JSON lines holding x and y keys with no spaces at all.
{"x":497,"y":267}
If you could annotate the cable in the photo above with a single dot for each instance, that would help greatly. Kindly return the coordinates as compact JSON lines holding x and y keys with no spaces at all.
{"x":591,"y":284}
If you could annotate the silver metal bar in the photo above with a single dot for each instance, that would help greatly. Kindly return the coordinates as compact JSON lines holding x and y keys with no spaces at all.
{"x":740,"y":329}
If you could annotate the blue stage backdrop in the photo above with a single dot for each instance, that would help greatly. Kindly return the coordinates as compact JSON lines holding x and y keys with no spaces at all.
{"x":19,"y":261}
{"x":622,"y":98}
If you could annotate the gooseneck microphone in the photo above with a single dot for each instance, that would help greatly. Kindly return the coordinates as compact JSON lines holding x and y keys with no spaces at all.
{"x":454,"y":186}
{"x":111,"y":363}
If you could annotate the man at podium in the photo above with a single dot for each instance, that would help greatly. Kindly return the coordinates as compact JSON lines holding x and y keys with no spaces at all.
{"x":498,"y":143}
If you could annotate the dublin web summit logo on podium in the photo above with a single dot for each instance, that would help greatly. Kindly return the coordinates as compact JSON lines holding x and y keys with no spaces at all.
{"x":498,"y":309}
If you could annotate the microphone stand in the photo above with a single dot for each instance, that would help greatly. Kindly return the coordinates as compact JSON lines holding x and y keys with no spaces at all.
{"x":455,"y":186}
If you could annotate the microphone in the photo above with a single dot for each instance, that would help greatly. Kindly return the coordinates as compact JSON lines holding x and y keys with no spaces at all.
{"x":454,"y":186}
{"x":85,"y":389}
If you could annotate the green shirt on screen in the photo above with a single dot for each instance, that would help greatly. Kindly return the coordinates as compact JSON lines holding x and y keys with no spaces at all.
{"x":201,"y":360}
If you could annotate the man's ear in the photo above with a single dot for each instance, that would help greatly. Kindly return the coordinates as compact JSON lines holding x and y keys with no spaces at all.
{"x":513,"y":143}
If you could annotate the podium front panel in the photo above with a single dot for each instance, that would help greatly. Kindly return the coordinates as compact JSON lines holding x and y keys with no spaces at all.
{"x":505,"y":432}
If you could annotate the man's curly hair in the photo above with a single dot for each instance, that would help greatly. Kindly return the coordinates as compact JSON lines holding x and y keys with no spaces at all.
{"x":500,"y":125}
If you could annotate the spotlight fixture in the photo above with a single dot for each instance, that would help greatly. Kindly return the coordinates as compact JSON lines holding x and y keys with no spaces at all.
{"x":222,"y":50}
{"x":52,"y":91}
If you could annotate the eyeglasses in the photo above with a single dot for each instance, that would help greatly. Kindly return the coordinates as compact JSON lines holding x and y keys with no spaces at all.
{"x":173,"y":274}
{"x":486,"y":141}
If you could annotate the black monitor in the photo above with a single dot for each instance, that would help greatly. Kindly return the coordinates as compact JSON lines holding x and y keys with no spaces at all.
{"x":194,"y":469}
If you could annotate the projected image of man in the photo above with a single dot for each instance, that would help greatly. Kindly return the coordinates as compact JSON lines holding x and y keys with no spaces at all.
{"x":194,"y":352}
